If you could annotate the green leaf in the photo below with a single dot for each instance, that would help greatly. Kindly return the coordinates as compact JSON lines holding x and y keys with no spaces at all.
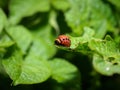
{"x":40,"y":48}
{"x":30,"y":71}
{"x":91,"y":13}
{"x":107,"y":61}
{"x":61,"y":4}
{"x":43,"y":45}
{"x":34,"y":70}
{"x":53,"y":21}
{"x":80,"y":44}
{"x":3,"y":20}
{"x":105,"y":47}
{"x":62,"y":71}
{"x":20,"y":9}
{"x":88,"y":34}
{"x":21,"y":36}
{"x":107,"y":67}
{"x":6,"y":44}
{"x":13,"y":65}
{"x":5,"y":41}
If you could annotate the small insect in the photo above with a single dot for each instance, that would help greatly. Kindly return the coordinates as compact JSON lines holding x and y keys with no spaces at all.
{"x":63,"y":40}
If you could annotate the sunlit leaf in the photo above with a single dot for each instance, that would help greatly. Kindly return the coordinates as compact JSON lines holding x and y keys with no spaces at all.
{"x":13,"y":65}
{"x":107,"y":61}
{"x":33,"y":70}
{"x":43,"y":45}
{"x":86,"y":13}
{"x":107,"y":67}
{"x":21,"y":36}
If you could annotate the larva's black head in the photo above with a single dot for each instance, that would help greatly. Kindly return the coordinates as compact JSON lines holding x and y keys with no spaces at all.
{"x":57,"y":42}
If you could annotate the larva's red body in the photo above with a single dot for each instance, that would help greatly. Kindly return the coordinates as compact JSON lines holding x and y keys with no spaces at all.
{"x":63,"y":40}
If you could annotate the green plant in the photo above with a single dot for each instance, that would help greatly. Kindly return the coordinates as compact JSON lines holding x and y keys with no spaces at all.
{"x":27,"y":52}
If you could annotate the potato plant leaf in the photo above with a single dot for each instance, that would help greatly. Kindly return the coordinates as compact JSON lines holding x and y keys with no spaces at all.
{"x":43,"y":45}
{"x":30,"y":70}
{"x":62,"y":71}
{"x":33,"y":70}
{"x":61,"y":4}
{"x":107,"y":67}
{"x":21,"y":36}
{"x":30,"y":7}
{"x":86,"y":13}
{"x":107,"y":61}
{"x":13,"y":65}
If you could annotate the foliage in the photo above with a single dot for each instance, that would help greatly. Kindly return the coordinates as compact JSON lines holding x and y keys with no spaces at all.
{"x":28,"y":55}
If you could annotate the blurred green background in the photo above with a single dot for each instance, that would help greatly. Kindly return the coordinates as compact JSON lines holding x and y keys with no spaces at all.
{"x":28,"y":29}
